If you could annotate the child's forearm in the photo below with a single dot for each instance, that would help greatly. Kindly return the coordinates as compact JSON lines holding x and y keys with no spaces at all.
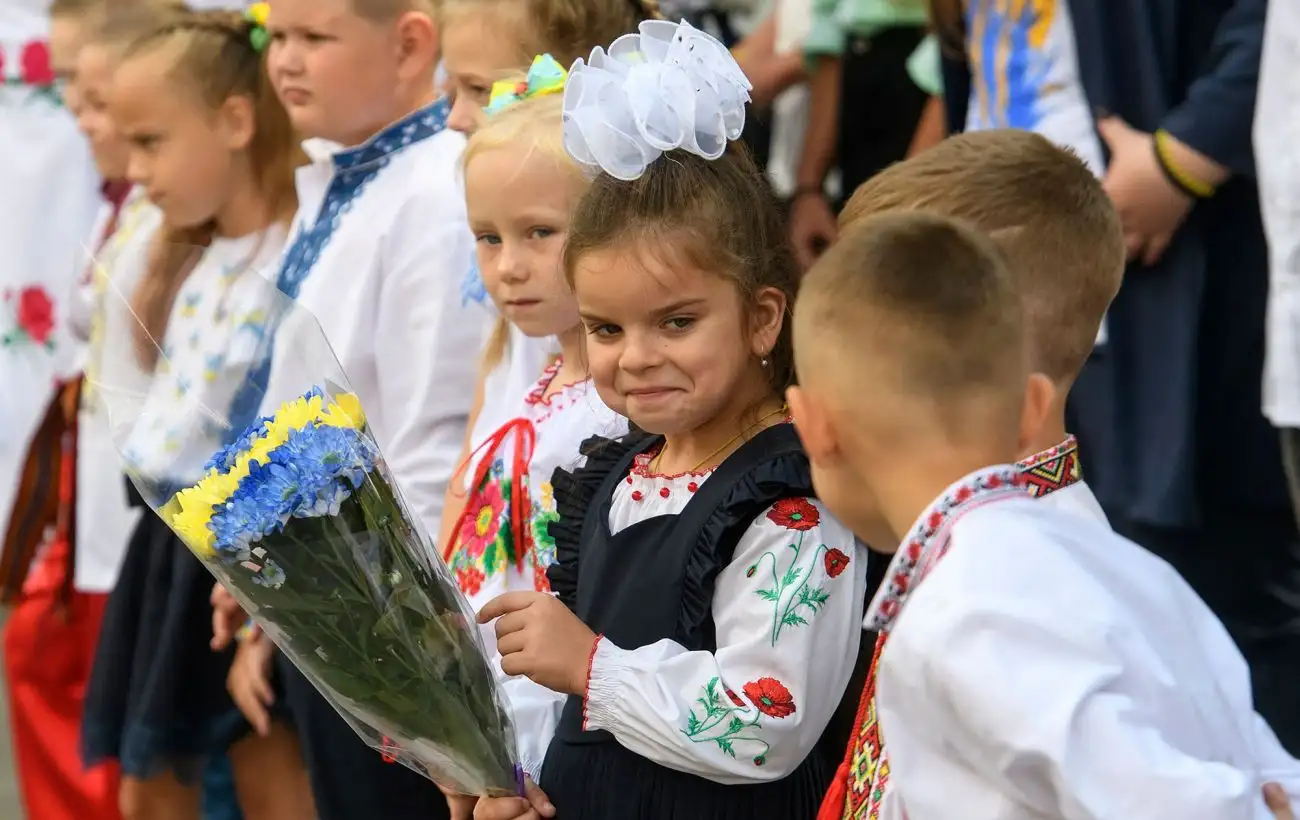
{"x":931,"y":128}
{"x":823,"y":123}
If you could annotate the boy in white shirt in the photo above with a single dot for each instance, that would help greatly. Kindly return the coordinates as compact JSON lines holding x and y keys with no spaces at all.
{"x":1045,"y":667}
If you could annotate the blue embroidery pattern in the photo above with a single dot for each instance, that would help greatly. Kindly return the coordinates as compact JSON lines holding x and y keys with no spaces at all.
{"x":472,"y":287}
{"x":354,"y":169}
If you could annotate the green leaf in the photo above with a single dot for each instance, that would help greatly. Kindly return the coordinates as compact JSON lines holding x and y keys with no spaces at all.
{"x":725,"y":745}
{"x":766,"y":594}
{"x":793,"y":618}
{"x":692,"y":723}
{"x":791,"y":575}
{"x":817,"y":595}
{"x":736,"y":725}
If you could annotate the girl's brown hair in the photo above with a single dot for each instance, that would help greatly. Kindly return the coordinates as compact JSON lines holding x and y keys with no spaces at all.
{"x":721,"y":215}
{"x":217,"y":59}
{"x":565,"y":29}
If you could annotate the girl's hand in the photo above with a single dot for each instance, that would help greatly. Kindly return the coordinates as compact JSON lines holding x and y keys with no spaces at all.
{"x":227,"y":617}
{"x":461,"y":805}
{"x":540,"y":638}
{"x":537,"y":805}
{"x":249,"y":681}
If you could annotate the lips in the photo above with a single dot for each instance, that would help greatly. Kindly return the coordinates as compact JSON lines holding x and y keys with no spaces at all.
{"x":294,"y":96}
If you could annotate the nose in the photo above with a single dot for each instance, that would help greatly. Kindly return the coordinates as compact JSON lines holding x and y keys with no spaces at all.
{"x":464,"y":115}
{"x":283,"y":58}
{"x":511,"y":267}
{"x":640,"y":352}
{"x":137,"y":169}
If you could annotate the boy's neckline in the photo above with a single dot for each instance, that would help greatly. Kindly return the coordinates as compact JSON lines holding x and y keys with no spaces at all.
{"x":415,"y":127}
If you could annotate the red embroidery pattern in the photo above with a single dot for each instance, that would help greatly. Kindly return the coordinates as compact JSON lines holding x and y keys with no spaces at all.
{"x":32,"y":317}
{"x":1053,"y":469}
{"x":35,"y":71}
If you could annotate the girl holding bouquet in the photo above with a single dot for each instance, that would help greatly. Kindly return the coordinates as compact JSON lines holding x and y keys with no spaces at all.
{"x":520,"y":188}
{"x":214,"y":151}
{"x":708,"y":607}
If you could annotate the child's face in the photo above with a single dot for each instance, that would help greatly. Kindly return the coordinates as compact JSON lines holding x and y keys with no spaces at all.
{"x":519,"y":203}
{"x":180,"y":151}
{"x":475,"y":54}
{"x":335,"y":72}
{"x":670,"y":346}
{"x":66,"y":37}
{"x":94,"y":71}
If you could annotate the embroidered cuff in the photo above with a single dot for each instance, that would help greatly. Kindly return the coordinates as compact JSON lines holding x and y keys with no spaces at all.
{"x":607,"y":666}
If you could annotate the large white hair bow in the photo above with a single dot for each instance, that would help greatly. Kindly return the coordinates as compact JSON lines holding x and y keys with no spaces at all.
{"x":668,"y":86}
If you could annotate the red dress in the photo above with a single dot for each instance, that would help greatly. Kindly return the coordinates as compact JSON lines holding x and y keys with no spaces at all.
{"x":49,"y":646}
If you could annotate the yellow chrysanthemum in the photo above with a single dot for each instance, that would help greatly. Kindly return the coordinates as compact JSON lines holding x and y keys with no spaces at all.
{"x":344,"y":412}
{"x":193,"y":517}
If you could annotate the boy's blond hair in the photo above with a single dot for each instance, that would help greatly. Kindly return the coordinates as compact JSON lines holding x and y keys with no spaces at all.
{"x":1048,"y":215}
{"x":931,"y":292}
{"x":383,"y":11}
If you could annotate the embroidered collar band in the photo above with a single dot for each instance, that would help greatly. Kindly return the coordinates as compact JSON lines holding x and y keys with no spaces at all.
{"x":929,"y":537}
{"x":1053,"y":469}
{"x":414,"y":127}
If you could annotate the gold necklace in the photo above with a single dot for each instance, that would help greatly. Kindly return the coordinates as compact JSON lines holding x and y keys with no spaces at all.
{"x":658,"y":459}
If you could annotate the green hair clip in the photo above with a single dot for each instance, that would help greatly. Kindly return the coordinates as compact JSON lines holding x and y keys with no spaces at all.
{"x":257,"y":15}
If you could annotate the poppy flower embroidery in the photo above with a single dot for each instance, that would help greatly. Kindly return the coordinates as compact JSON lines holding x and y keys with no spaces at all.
{"x":722,"y":717}
{"x":788,"y":569}
{"x":797,"y":514}
{"x":770,"y":697}
{"x":835,"y":562}
{"x":35,"y":72}
{"x":31,"y":312}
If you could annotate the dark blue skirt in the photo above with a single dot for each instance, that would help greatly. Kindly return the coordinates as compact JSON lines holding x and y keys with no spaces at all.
{"x":156,"y":699}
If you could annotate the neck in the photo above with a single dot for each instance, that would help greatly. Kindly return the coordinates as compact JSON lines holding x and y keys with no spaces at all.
{"x":710,"y":443}
{"x":1053,"y":431}
{"x":915,"y":484}
{"x":246,"y":210}
{"x":408,"y":104}
{"x":571,"y":367}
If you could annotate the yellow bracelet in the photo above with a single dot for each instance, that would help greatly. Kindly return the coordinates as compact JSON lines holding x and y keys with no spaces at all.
{"x":1190,"y":184}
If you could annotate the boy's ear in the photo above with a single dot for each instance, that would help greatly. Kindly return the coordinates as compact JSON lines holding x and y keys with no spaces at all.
{"x":417,"y":42}
{"x":1040,"y":396}
{"x":814,"y":425}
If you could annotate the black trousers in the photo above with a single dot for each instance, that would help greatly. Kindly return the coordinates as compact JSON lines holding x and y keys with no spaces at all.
{"x":1291,"y":464}
{"x":1246,"y":566}
{"x":880,"y":106}
{"x":350,"y":780}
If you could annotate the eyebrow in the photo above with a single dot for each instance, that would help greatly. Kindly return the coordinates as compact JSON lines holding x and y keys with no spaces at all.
{"x":667,"y":310}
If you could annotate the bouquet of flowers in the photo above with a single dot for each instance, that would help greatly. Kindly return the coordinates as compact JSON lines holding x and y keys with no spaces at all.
{"x":298,"y":517}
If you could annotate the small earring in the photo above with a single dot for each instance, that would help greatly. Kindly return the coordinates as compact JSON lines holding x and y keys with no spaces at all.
{"x":764,"y":362}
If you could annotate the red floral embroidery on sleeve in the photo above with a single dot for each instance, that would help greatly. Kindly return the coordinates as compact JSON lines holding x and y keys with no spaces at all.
{"x":835,"y":561}
{"x":794,"y":514}
{"x":32,"y":317}
{"x":35,"y":64}
{"x":770,"y":697}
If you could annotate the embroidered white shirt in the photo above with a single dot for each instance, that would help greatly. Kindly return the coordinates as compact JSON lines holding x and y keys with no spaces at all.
{"x":482,"y":563}
{"x":213,"y":335}
{"x":48,"y":200}
{"x":1048,"y":668}
{"x":1277,"y":132}
{"x":103,"y":514}
{"x":386,"y":292}
{"x":787,"y":610}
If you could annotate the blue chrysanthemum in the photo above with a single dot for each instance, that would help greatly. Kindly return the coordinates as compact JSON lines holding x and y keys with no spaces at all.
{"x":225,"y":457}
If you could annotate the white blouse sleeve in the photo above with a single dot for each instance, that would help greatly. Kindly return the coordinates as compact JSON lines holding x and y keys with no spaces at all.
{"x":1053,"y":717}
{"x":427,"y":343}
{"x":788,"y":613}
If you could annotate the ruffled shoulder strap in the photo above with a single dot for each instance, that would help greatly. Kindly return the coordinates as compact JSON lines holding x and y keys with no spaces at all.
{"x":770,"y":467}
{"x":578,"y":496}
